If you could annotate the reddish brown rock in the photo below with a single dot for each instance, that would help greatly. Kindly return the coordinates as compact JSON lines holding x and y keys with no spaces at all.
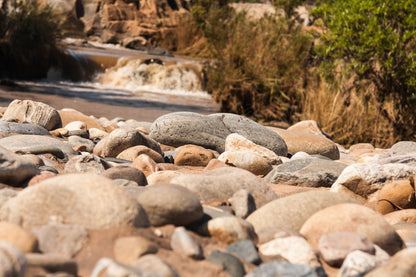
{"x":193,"y":155}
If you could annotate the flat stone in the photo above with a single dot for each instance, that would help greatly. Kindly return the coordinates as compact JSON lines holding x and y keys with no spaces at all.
{"x":126,"y":172}
{"x":12,"y":261}
{"x":210,"y":131}
{"x":129,"y":249}
{"x":77,"y":141}
{"x":396,"y":195}
{"x":247,"y":160}
{"x":182,"y":242}
{"x":292,"y":211}
{"x":193,"y":155}
{"x":22,"y":128}
{"x":306,"y":172}
{"x":232,"y":265}
{"x":246,"y":250}
{"x":18,"y":237}
{"x":401,"y":216}
{"x":402,"y":264}
{"x":68,"y":199}
{"x":231,"y":229}
{"x":403,"y":148}
{"x":352,"y":218}
{"x":170,"y":204}
{"x":243,"y":203}
{"x":132,"y":153}
{"x":358,"y":263}
{"x":218,"y":185}
{"x":85,"y":164}
{"x":282,"y":268}
{"x":33,"y":112}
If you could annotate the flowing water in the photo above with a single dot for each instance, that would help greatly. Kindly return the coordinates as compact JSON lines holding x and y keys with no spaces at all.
{"x":123,"y":82}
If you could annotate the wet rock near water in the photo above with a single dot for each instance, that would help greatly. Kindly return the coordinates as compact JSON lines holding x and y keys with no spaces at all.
{"x":198,"y":195}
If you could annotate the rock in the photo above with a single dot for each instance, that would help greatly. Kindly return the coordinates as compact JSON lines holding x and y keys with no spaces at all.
{"x":86,"y":164}
{"x":22,"y":128}
{"x":366,"y":179}
{"x":121,"y":139}
{"x":231,"y":229}
{"x":34,"y":159}
{"x":60,"y":239}
{"x":306,"y":172}
{"x":210,"y":131}
{"x":33,"y":112}
{"x":402,"y":264}
{"x":155,"y":265}
{"x":243,"y":203}
{"x":18,"y":237}
{"x":352,"y":218}
{"x":407,"y":231}
{"x":309,"y":143}
{"x":246,"y":250}
{"x":126,"y":172}
{"x":52,"y":263}
{"x":126,"y":183}
{"x":14,"y":169}
{"x":232,"y":265}
{"x":12,"y":261}
{"x":397,"y":195}
{"x":69,"y":115}
{"x":358,"y":263}
{"x":133,"y":152}
{"x":67,"y":199}
{"x":283,"y":268}
{"x":183,"y":243}
{"x":292,"y":211}
{"x":77,"y":141}
{"x":335,"y":247}
{"x":76,"y":126}
{"x":33,"y":144}
{"x":96,"y":134}
{"x":193,"y":155}
{"x":162,"y":177}
{"x":218,"y":185}
{"x":403,"y":148}
{"x":271,"y":233}
{"x":214,"y":164}
{"x":129,"y":249}
{"x":6,"y":194}
{"x":169,"y":204}
{"x":145,"y":164}
{"x":401,"y":216}
{"x":246,"y":160}
{"x":307,"y":126}
{"x":294,"y":249}
{"x":106,"y":267}
{"x":359,"y":149}
{"x":236,"y":142}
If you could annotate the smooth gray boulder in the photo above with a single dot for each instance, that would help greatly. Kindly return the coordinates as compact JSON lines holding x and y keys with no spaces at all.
{"x":210,"y":131}
{"x":22,"y":128}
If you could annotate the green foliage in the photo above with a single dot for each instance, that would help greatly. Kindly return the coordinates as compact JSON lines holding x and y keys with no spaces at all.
{"x":376,"y":40}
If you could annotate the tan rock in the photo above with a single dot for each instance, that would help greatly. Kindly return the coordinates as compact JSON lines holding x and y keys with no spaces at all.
{"x":247,"y":160}
{"x":128,"y":249}
{"x":356,"y":150}
{"x":162,"y":177}
{"x":401,"y":216}
{"x":145,"y":164}
{"x":215,"y":163}
{"x":193,"y":155}
{"x":17,"y":236}
{"x":95,"y":133}
{"x":69,"y":115}
{"x":231,"y":229}
{"x":396,"y":195}
{"x":76,"y":125}
{"x":41,"y":177}
{"x":133,"y":152}
{"x":307,"y":126}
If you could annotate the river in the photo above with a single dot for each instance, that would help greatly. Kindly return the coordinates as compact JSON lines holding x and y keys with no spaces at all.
{"x":127,"y":83}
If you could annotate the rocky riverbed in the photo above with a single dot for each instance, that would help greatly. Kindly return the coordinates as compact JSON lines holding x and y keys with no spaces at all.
{"x":198,"y":195}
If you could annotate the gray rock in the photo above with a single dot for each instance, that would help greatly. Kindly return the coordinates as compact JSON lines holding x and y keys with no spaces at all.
{"x":292,"y":211}
{"x":22,"y":128}
{"x":402,"y":264}
{"x":68,"y":199}
{"x":306,"y":172}
{"x":210,"y":131}
{"x":76,"y":141}
{"x":126,"y":172}
{"x":14,"y":169}
{"x":246,"y":250}
{"x":85,"y":164}
{"x":60,"y":239}
{"x":403,"y":159}
{"x":218,"y":185}
{"x":12,"y":261}
{"x":33,"y":144}
{"x":247,"y":160}
{"x":106,"y":267}
{"x":282,"y":268}
{"x":170,"y":204}
{"x":155,"y":265}
{"x":243,"y":203}
{"x":183,"y":243}
{"x":403,"y":148}
{"x":232,"y":265}
{"x":52,"y":262}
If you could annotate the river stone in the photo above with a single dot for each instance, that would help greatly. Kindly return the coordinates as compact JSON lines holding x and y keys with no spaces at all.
{"x":366,"y":179}
{"x":193,"y":155}
{"x":313,"y":172}
{"x":77,"y":141}
{"x":294,"y":249}
{"x":401,"y":216}
{"x":246,"y":160}
{"x":352,"y":218}
{"x":335,"y":247}
{"x":155,"y":265}
{"x":230,"y":229}
{"x":133,"y":152}
{"x":402,"y":264}
{"x":67,"y":199}
{"x":243,"y":203}
{"x":22,"y":128}
{"x":145,"y":164}
{"x":60,"y":239}
{"x":210,"y":131}
{"x":69,"y":115}
{"x":183,"y":242}
{"x":358,"y":263}
{"x":96,"y":134}
{"x":403,"y":148}
{"x":236,"y":142}
{"x":126,"y":172}
{"x":309,"y":143}
{"x":14,"y":169}
{"x":246,"y":250}
{"x":397,"y":195}
{"x":128,"y":249}
{"x":121,"y":139}
{"x":218,"y":185}
{"x":170,"y":204}
{"x":33,"y":112}
{"x":85,"y":164}
{"x":12,"y":261}
{"x":292,"y":211}
{"x":232,"y":265}
{"x":283,"y":268}
{"x":17,"y":236}
{"x":35,"y":144}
